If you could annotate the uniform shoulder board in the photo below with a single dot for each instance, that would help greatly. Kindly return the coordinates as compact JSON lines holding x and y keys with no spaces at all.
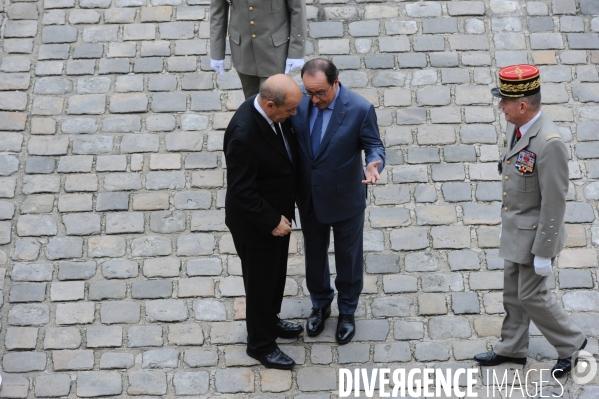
{"x":553,"y":136}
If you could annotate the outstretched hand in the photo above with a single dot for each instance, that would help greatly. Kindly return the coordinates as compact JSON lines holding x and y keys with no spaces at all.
{"x":372,"y":173}
{"x":283,"y":228}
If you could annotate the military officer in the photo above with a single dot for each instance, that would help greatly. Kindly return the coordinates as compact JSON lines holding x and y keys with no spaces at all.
{"x":266,"y":38}
{"x":534,"y":175}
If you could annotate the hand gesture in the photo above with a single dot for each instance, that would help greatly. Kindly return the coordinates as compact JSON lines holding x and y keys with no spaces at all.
{"x":283,"y":228}
{"x":372,"y":173}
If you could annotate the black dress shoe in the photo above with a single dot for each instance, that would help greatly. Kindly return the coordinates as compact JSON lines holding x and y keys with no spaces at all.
{"x":564,"y":366}
{"x":288,"y":329}
{"x":493,"y":359}
{"x":315,"y":323}
{"x":346,"y":328}
{"x":275,"y":360}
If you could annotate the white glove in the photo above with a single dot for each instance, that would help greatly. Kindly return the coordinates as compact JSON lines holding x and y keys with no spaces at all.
{"x":500,"y":229}
{"x":293,"y":64}
{"x":218,"y":66}
{"x":542,"y":266}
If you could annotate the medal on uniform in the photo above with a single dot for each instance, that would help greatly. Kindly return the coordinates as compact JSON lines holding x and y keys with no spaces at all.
{"x":526,"y":161}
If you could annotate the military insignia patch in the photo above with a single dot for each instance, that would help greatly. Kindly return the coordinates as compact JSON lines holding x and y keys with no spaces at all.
{"x":526,"y":161}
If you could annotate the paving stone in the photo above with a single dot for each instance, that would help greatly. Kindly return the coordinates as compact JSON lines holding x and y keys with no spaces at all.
{"x":429,"y":351}
{"x":166,"y":310}
{"x":391,"y":306}
{"x":99,"y":290}
{"x":465,"y":303}
{"x":191,"y":383}
{"x":27,"y":292}
{"x":23,"y":362}
{"x":120,"y":312}
{"x":68,"y":270}
{"x":52,"y":385}
{"x":73,"y":360}
{"x":441,"y":282}
{"x":116,"y":361}
{"x":99,"y":383}
{"x":234,"y":380}
{"x":431,"y":304}
{"x":141,"y":336}
{"x":575,"y":279}
{"x":160,"y":358}
{"x":21,"y":338}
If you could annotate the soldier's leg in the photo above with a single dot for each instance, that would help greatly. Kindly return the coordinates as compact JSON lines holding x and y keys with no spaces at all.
{"x":548,"y":315}
{"x":514,"y":331}
{"x":250,"y":84}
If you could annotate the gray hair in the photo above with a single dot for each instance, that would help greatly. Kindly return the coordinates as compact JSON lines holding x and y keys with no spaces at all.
{"x":534,"y":101}
{"x":269,"y":92}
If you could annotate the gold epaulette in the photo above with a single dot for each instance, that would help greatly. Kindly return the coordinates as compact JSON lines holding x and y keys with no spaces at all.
{"x":553,"y":136}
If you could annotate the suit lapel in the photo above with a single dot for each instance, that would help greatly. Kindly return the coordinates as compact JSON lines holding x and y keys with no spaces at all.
{"x":305,"y":107}
{"x":336,"y":118}
{"x":524,"y":140}
{"x":268,"y":134}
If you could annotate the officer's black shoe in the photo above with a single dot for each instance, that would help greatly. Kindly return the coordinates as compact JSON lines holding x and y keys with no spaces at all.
{"x":564,"y":366}
{"x":493,"y":359}
{"x":275,"y":360}
{"x":346,"y":328}
{"x":315,"y":324}
{"x":287,"y":329}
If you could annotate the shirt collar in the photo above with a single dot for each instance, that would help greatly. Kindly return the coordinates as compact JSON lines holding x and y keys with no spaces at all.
{"x":332,"y":105}
{"x":524,"y":128}
{"x":261,"y":111}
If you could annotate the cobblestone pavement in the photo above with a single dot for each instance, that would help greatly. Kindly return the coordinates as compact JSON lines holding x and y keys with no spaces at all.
{"x":119,"y":276}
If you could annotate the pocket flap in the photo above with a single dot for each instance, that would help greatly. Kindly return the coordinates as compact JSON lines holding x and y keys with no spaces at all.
{"x":234,"y":35}
{"x":281,"y":36}
{"x":527,"y":223}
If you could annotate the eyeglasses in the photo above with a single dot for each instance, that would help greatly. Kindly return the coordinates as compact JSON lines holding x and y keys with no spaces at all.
{"x":320,"y":94}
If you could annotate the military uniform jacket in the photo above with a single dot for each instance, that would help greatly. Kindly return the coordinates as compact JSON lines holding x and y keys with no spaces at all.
{"x":262,"y":33}
{"x":534,"y":202}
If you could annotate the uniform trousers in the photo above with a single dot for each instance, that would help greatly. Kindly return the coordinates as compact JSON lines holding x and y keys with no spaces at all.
{"x":349,"y":262}
{"x":250,"y":84}
{"x":525,"y":298}
{"x":264,"y":271}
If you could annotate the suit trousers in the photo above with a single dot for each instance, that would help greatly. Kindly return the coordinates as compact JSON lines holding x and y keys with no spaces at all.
{"x":525,"y":298}
{"x":264,"y":271}
{"x":348,"y":235}
{"x":250,"y":84}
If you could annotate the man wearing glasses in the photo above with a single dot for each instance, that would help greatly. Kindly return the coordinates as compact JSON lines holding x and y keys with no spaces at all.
{"x":333,"y":125}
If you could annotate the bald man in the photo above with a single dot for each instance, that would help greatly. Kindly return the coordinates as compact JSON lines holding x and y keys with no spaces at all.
{"x":259,"y":207}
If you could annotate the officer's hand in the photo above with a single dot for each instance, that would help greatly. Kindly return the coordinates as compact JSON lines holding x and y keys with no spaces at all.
{"x":500,"y":229}
{"x":293,"y":64}
{"x":283,"y":228}
{"x":542,"y":266}
{"x":218,"y":66}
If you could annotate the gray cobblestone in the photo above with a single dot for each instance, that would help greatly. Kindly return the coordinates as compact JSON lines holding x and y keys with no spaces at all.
{"x":116,"y":361}
{"x":99,"y":383}
{"x":78,"y":134}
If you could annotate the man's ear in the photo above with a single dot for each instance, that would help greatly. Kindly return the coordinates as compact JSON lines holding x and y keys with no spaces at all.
{"x":523,"y":107}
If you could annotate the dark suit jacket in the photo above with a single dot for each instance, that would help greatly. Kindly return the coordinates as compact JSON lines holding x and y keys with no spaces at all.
{"x":333,"y":179}
{"x":260,"y":177}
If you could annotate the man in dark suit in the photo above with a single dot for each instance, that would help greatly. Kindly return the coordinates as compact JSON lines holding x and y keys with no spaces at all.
{"x":333,"y":126}
{"x":260,"y":154}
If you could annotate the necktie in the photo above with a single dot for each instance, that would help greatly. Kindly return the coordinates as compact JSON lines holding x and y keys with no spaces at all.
{"x":517,"y":137}
{"x":316,"y":133}
{"x":280,"y":135}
